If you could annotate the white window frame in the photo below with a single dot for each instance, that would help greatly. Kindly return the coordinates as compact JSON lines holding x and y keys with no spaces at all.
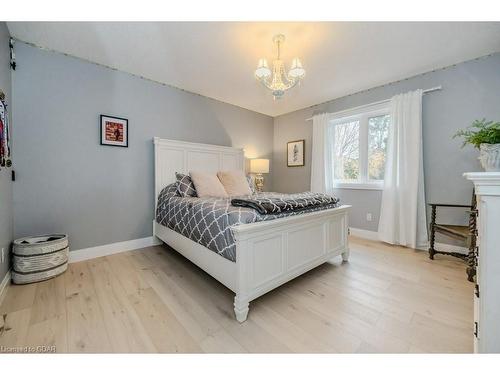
{"x":361,"y":114}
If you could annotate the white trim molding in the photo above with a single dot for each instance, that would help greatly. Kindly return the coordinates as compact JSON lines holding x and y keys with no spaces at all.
{"x":112,"y":248}
{"x":363,"y":233}
{"x":3,"y":285}
{"x":375,"y":185}
{"x":373,"y":236}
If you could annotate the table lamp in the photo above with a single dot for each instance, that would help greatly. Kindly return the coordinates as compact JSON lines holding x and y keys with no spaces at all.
{"x":259,"y":166}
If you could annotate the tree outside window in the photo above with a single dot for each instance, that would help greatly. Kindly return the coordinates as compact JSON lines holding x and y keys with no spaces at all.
{"x":359,"y":148}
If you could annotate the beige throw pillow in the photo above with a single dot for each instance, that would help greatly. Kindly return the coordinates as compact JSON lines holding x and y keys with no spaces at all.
{"x":235,"y":182}
{"x":207,"y":184}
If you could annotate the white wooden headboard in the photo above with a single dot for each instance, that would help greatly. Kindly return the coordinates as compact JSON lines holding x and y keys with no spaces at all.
{"x":177,"y":156}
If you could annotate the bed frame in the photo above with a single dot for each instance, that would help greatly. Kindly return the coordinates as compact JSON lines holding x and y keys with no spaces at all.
{"x":268,"y":253}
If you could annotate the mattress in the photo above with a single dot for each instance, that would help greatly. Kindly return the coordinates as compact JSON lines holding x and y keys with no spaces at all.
{"x":208,"y":221}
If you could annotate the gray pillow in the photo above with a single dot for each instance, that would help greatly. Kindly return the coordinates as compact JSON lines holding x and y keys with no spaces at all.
{"x":185,"y":186}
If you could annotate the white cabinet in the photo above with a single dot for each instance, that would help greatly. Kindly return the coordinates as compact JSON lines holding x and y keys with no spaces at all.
{"x":487,"y":291}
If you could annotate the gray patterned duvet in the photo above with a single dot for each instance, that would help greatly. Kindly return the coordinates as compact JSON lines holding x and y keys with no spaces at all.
{"x":208,"y":221}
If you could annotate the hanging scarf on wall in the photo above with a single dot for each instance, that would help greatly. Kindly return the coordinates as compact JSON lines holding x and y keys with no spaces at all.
{"x":4,"y":135}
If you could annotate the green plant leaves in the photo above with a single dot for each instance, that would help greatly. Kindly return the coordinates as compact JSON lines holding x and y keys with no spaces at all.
{"x":481,"y":131}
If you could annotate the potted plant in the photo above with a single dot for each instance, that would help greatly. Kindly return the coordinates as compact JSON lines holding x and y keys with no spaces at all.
{"x":484,"y":135}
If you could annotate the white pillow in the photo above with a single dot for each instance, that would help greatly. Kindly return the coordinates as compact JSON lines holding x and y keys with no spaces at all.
{"x":235,"y":182}
{"x":207,"y":184}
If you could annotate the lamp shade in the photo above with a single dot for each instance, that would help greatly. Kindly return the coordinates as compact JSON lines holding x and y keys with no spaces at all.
{"x":259,"y":165}
{"x":297,"y":71}
{"x":262,"y":70}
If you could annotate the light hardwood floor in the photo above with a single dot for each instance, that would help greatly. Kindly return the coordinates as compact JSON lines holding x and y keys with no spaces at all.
{"x":386,"y":299}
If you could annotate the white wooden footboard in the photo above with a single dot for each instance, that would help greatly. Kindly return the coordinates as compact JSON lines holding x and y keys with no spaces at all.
{"x":270,"y":253}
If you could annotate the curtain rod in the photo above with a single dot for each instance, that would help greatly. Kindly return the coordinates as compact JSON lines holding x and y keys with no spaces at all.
{"x":432,"y":89}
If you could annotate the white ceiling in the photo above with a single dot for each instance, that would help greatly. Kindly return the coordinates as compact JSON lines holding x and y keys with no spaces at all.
{"x":217,"y":59}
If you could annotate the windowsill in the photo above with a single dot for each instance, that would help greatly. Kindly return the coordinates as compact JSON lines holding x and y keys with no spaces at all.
{"x":359,"y":185}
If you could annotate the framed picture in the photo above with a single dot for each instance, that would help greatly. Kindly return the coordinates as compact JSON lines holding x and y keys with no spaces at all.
{"x":295,"y":153}
{"x":114,"y":131}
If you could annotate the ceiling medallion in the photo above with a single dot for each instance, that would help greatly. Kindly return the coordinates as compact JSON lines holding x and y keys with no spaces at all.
{"x":277,"y":80}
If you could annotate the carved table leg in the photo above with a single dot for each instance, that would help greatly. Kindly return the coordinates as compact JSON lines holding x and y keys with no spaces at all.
{"x":432,"y":251}
{"x":471,"y":256}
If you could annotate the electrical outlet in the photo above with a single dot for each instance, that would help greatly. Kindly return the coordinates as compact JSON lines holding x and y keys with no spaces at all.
{"x":3,"y":255}
{"x":369,"y":216}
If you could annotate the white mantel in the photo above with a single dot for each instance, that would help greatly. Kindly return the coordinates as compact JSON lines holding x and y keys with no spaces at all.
{"x":487,"y":303}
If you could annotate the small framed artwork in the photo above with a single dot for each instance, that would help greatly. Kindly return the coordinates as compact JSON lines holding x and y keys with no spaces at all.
{"x":295,"y":153}
{"x":114,"y":131}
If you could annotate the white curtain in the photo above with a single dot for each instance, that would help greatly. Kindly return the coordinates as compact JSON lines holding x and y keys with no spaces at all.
{"x":321,"y":161}
{"x":402,"y":215}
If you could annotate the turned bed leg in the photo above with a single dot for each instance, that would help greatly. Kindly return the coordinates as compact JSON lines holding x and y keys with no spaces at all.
{"x":345,"y":255}
{"x":241,"y":308}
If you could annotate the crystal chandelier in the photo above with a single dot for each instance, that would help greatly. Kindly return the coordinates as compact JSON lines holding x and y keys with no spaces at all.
{"x":277,"y":80}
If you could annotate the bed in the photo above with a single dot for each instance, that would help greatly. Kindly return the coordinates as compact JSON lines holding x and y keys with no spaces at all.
{"x":267,"y":253}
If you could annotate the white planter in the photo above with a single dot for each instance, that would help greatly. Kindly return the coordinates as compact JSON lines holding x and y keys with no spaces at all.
{"x":489,"y":156}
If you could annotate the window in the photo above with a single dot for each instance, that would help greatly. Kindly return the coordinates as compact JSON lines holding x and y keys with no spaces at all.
{"x":359,"y":146}
{"x":346,"y":151}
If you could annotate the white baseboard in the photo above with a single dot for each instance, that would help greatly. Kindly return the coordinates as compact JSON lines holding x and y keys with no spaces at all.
{"x":112,"y":248}
{"x":371,"y":235}
{"x":95,"y":252}
{"x":3,"y":285}
{"x":363,"y":233}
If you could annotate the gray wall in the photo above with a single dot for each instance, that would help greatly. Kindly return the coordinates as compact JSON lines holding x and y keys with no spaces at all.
{"x":471,"y":90}
{"x":67,"y":182}
{"x":5,"y":179}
